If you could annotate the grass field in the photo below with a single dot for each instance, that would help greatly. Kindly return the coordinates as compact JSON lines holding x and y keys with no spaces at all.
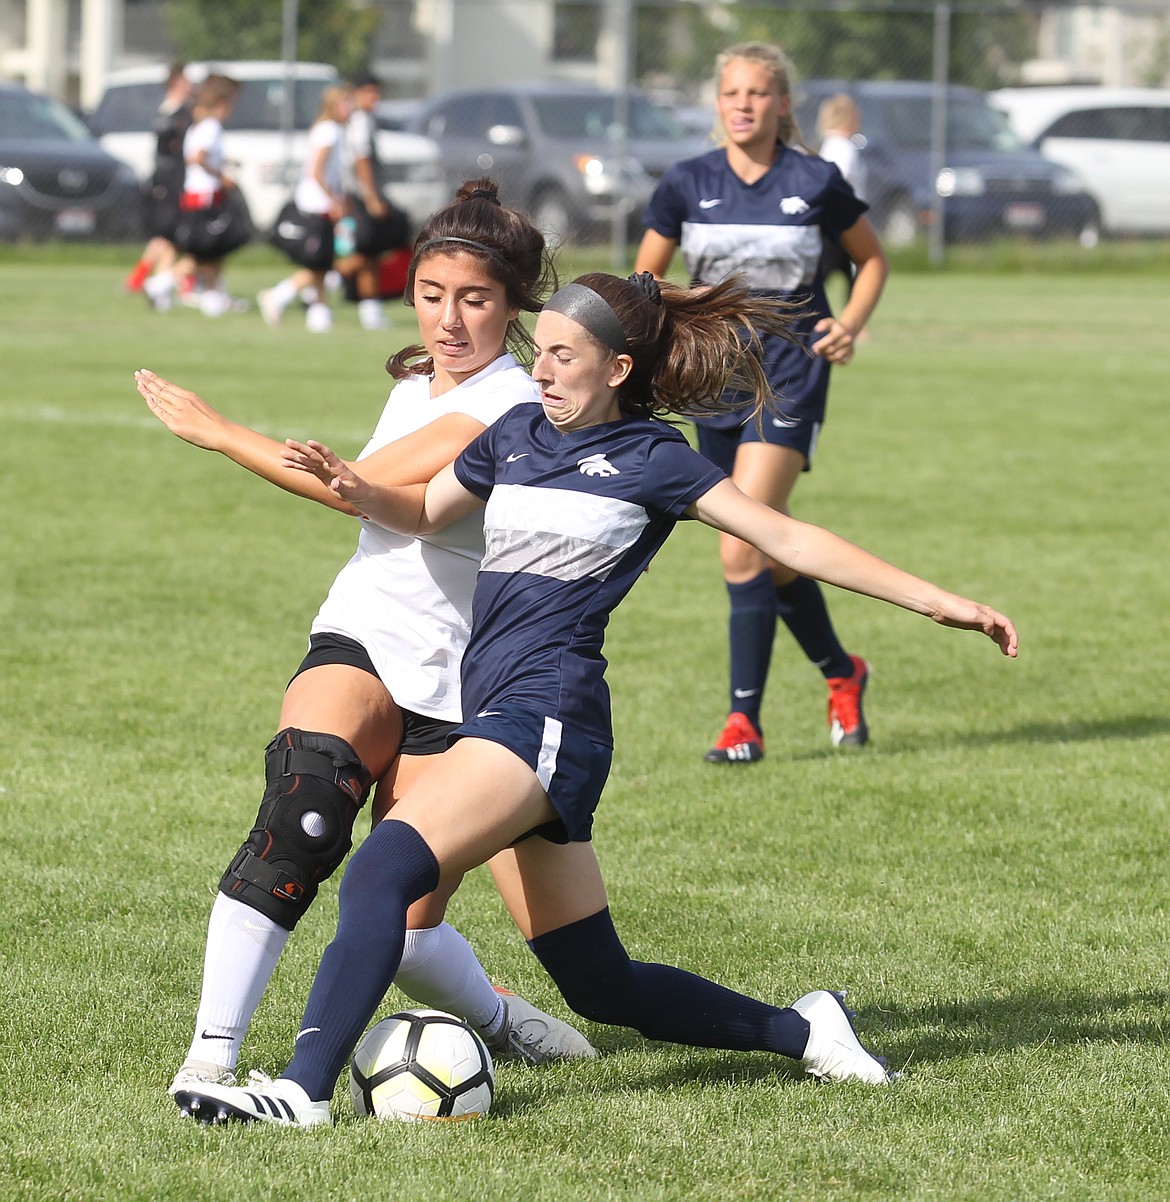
{"x":988,"y":878}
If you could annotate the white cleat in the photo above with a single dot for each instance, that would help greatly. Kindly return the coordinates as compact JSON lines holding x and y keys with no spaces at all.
{"x":270,"y":308}
{"x":201,"y":1072}
{"x":834,"y":1053}
{"x":262,"y":1100}
{"x":530,"y":1035}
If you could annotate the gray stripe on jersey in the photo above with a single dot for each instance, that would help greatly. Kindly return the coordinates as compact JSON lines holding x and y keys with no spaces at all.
{"x":779,"y":257}
{"x":560,"y":533}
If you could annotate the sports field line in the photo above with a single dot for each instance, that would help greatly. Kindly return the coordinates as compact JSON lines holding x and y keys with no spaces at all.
{"x":55,"y":415}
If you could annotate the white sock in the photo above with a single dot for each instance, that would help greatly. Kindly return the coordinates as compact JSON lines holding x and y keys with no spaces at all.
{"x":284,"y":293}
{"x":243,"y":947}
{"x":440,"y":970}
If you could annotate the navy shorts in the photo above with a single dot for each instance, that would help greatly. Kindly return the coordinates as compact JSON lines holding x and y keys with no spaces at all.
{"x":571,"y":768}
{"x":719,"y":443}
{"x":421,"y":735}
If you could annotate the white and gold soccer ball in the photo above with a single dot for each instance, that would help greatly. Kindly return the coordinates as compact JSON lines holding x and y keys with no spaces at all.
{"x":421,"y":1064}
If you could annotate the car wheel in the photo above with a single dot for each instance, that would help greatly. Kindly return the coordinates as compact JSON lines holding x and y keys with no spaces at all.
{"x":552,"y":216}
{"x":900,"y":227}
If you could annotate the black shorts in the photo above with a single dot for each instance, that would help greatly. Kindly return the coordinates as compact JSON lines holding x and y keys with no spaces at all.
{"x":421,"y":735}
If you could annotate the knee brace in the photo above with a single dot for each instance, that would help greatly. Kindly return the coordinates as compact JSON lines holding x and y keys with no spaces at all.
{"x":315,"y":786}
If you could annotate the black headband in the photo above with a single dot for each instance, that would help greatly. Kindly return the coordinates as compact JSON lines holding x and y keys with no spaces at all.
{"x":589,"y":309}
{"x":482,"y":247}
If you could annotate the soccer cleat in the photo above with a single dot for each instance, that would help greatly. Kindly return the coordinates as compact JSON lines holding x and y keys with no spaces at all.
{"x":740,"y":742}
{"x":847,"y":726}
{"x":159,"y":293}
{"x":318,"y":318}
{"x":262,"y":1100}
{"x":833,"y":1052}
{"x":201,"y":1072}
{"x":270,"y":308}
{"x":531,"y":1036}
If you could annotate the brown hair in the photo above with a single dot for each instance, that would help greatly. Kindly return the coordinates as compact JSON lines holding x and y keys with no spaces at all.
{"x":215,"y":89}
{"x":692,"y":345}
{"x":778,"y":66}
{"x":509,"y":246}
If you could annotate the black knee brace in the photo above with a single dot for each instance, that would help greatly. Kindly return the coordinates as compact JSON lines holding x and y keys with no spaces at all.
{"x":316,"y":784}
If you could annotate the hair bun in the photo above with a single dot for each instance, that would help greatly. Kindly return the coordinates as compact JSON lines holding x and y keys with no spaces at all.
{"x":648,"y":285}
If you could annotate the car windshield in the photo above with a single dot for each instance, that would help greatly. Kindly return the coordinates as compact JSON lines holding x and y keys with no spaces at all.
{"x":38,"y":119}
{"x":260,"y":103}
{"x":971,"y":124}
{"x":588,"y":116}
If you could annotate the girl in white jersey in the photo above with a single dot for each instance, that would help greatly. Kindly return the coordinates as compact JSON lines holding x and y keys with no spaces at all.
{"x":762,"y":207}
{"x":379,"y":689}
{"x":320,"y":198}
{"x":580,"y":492}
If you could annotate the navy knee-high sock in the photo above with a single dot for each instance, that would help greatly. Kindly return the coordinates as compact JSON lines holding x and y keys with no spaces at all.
{"x":600,"y":982}
{"x":801,"y":606}
{"x":391,"y":869}
{"x":751,"y":630}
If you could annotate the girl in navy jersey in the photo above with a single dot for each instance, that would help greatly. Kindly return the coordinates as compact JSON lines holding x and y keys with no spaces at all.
{"x":580,"y":492}
{"x":378,"y":691}
{"x":763,"y":206}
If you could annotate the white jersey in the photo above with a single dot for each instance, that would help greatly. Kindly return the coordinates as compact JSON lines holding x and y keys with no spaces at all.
{"x":310,"y":196}
{"x":204,"y":136}
{"x":408,"y":600}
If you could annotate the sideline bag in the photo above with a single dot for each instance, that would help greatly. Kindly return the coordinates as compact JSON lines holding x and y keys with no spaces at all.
{"x":213,"y":233}
{"x":374,"y":236}
{"x":306,"y":238}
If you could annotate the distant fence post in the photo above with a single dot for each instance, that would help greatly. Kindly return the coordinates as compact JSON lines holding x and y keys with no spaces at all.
{"x":936,"y":235}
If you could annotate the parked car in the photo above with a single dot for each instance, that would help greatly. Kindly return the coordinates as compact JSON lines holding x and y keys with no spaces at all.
{"x":1116,"y":139}
{"x":570,"y":155}
{"x":989,"y":182}
{"x":55,"y":180}
{"x":266,"y":163}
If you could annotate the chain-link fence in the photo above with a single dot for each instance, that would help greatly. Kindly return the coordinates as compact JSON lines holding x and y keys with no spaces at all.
{"x":578,"y":107}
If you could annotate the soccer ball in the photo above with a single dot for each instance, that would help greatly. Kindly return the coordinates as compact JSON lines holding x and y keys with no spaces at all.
{"x":421,"y":1064}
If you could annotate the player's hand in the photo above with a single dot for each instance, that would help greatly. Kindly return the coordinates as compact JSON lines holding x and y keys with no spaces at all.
{"x":836,"y":341}
{"x":318,"y":460}
{"x":183,"y":412}
{"x":962,"y":614}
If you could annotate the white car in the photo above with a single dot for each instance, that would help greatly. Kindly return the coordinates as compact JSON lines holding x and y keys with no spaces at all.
{"x":264,"y":161}
{"x":1116,"y":139}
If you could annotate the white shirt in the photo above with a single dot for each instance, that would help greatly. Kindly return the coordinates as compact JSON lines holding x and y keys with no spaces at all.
{"x":203,"y":136}
{"x":842,"y":150}
{"x":310,"y":196}
{"x":408,"y":600}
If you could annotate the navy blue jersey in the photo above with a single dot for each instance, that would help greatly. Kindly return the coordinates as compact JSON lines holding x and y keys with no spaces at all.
{"x":571,"y":522}
{"x":771,"y":233}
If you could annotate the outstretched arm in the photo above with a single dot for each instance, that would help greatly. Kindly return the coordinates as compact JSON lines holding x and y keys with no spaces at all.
{"x":413,"y":459}
{"x":410,"y":509}
{"x":813,"y":551}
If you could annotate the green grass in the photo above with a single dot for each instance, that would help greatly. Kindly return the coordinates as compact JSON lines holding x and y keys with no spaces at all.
{"x":987,"y":878}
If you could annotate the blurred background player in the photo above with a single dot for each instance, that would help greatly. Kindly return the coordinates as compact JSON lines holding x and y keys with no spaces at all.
{"x":377,"y":226}
{"x":762,"y":179}
{"x":320,"y":198}
{"x":204,"y":214}
{"x":171,"y":123}
{"x":838,"y":127}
